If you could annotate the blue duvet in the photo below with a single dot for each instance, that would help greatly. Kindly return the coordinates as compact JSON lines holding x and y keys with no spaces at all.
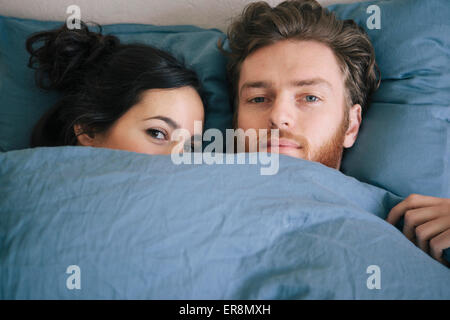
{"x":140,"y":227}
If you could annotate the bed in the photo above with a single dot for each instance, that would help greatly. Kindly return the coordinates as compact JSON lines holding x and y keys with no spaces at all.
{"x":92,"y":223}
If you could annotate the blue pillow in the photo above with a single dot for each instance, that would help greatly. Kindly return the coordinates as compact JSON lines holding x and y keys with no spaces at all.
{"x":404,"y":142}
{"x":22,"y":103}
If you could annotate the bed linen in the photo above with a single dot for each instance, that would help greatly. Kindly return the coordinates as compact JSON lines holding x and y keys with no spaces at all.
{"x":141,"y":227}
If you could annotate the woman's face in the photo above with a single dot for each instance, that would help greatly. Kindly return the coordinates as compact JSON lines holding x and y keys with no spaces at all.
{"x":147,"y":127}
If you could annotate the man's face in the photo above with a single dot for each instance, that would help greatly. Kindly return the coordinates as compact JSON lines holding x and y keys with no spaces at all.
{"x":297,"y":87}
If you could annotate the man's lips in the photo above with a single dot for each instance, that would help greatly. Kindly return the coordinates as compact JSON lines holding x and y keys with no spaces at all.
{"x":284,"y":143}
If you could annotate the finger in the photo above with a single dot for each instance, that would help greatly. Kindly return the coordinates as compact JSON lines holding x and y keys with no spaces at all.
{"x":413,"y":201}
{"x":438,"y":244}
{"x":429,"y":230}
{"x":417,"y":217}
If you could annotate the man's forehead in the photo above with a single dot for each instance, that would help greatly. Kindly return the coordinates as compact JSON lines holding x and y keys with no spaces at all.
{"x":291,"y":61}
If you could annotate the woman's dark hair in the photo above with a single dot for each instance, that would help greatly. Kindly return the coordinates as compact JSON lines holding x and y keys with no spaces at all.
{"x":99,"y":78}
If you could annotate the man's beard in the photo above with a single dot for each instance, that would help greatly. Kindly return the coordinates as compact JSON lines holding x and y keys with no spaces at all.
{"x":329,"y":153}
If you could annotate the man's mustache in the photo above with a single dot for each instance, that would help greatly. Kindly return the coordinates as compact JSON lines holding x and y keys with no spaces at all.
{"x":283,"y":134}
{"x":299,"y":139}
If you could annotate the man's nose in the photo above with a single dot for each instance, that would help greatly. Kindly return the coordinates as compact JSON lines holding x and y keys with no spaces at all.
{"x":281,"y":114}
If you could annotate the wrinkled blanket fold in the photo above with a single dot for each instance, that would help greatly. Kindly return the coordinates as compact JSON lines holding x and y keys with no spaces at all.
{"x":141,"y":227}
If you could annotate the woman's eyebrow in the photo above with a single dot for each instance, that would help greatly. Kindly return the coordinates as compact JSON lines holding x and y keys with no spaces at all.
{"x":168,"y":120}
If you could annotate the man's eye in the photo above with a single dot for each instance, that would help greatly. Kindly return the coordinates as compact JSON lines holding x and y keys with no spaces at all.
{"x":311,"y":98}
{"x":258,"y":100}
{"x":157,"y":134}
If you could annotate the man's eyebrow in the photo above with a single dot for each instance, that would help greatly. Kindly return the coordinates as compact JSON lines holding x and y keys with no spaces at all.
{"x":311,"y":82}
{"x":256,"y":84}
{"x":294,"y":83}
{"x":167,"y":120}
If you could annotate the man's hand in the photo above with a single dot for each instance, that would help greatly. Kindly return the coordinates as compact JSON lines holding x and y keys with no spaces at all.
{"x":426,"y":223}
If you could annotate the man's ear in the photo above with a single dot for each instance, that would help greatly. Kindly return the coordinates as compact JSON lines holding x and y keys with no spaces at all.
{"x":83,"y":139}
{"x":354,"y":123}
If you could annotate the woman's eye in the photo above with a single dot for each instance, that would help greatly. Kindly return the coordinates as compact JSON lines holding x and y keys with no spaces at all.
{"x":157,"y":134}
{"x":311,"y":98}
{"x":258,"y":100}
